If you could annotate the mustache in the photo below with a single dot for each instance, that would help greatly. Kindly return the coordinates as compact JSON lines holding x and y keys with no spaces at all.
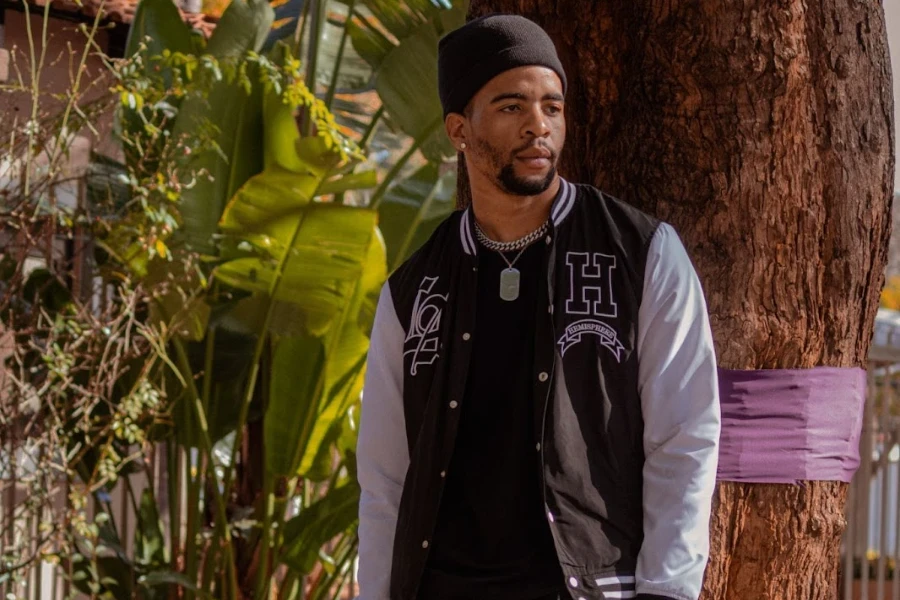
{"x":534,"y":145}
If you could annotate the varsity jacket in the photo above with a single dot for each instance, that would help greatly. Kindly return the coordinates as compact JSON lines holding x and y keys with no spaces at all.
{"x":626,"y":372}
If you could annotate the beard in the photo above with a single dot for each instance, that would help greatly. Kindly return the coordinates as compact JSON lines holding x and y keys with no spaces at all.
{"x":521,"y":186}
{"x":502,"y":165}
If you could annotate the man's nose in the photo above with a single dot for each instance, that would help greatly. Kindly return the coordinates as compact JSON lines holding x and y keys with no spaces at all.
{"x":536,"y":124}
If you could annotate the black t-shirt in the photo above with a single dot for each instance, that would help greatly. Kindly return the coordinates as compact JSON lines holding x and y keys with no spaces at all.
{"x":492,"y":539}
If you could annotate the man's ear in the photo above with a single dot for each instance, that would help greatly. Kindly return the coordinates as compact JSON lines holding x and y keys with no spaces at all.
{"x":456,"y":126}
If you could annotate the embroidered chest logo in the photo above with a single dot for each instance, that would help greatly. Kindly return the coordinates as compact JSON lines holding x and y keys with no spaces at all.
{"x":591,"y":295}
{"x":425,"y":326}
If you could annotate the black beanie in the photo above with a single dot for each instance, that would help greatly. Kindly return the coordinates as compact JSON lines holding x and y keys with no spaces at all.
{"x":481,"y":49}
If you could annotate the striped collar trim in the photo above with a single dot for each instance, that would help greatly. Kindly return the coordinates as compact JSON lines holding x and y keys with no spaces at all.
{"x":564,"y":202}
{"x":562,"y":206}
{"x":465,"y":232}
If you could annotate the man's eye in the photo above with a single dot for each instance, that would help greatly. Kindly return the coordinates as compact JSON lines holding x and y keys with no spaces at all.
{"x":554,"y":110}
{"x":510,"y":108}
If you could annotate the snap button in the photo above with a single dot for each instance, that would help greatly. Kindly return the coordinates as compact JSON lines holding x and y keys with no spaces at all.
{"x":550,"y":517}
{"x":467,"y":337}
{"x":538,"y":447}
{"x":453,"y":404}
{"x":573,"y":582}
{"x":543,"y":376}
{"x":425,"y":544}
{"x":443,"y":473}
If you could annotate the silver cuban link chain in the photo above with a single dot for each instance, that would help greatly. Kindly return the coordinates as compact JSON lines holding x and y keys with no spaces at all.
{"x":514,"y":245}
{"x":510,"y":277}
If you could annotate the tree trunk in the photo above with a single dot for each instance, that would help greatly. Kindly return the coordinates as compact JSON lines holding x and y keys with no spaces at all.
{"x":763,"y":131}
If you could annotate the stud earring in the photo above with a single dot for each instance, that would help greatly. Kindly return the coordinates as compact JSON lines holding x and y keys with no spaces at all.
{"x":463,"y":146}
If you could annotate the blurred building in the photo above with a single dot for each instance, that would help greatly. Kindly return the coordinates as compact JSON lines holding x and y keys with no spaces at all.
{"x":892,"y":14}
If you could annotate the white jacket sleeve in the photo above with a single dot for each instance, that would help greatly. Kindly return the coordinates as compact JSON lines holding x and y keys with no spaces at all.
{"x":382,"y":452}
{"x":680,"y":402}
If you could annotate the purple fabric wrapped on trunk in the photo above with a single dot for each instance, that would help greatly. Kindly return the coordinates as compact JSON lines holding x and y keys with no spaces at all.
{"x":789,"y":425}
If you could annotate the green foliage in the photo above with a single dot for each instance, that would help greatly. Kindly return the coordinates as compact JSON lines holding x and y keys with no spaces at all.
{"x":405,"y":73}
{"x":237,"y":114}
{"x":157,"y":27}
{"x":414,"y":207}
{"x":241,"y":242}
{"x":322,"y":521}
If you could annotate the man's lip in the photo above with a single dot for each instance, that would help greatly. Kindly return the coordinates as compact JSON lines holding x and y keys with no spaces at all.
{"x":536,"y":162}
{"x":534,"y":155}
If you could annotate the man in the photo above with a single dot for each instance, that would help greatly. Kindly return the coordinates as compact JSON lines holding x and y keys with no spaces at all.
{"x":540,"y":416}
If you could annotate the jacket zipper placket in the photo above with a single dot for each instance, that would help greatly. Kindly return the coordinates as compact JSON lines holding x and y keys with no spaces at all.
{"x":551,"y":267}
{"x":471,"y":271}
{"x":543,"y":429}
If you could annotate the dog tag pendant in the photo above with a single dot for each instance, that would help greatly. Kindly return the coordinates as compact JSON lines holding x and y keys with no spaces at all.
{"x":509,"y":284}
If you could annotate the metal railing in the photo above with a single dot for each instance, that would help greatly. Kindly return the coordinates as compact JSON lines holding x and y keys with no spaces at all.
{"x":871,"y":543}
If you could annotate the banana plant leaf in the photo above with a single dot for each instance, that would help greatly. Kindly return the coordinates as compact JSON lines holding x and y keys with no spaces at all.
{"x":315,"y":250}
{"x":238,"y":117}
{"x":321,"y":467}
{"x":346,"y":443}
{"x":298,"y":372}
{"x":319,"y":267}
{"x":324,"y":394}
{"x":413,"y":208}
{"x":232,"y":352}
{"x":353,"y":181}
{"x":305,"y":534}
{"x":308,"y":254}
{"x":374,"y":276}
{"x":401,"y":17}
{"x":158,"y":25}
{"x":176,"y":306}
{"x":340,"y":438}
{"x":354,"y":74}
{"x":268,"y":207}
{"x":345,"y":367}
{"x":191,"y":319}
{"x":282,"y":136}
{"x":406,"y":72}
{"x":316,"y":253}
{"x":244,"y":25}
{"x":246,"y":315}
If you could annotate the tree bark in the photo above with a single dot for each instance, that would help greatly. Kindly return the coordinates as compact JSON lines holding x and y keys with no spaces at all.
{"x":763,"y":131}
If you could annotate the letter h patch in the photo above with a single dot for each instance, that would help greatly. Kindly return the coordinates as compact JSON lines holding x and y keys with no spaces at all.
{"x":591,"y":296}
{"x":590,"y":284}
